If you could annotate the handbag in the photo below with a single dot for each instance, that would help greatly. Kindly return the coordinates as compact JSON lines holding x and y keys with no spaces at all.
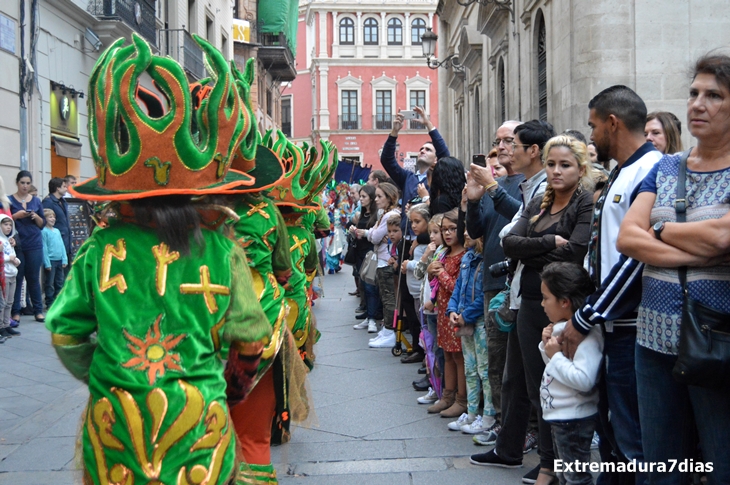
{"x":499,"y":311}
{"x":369,"y":268}
{"x":351,"y":254}
{"x":704,"y":338}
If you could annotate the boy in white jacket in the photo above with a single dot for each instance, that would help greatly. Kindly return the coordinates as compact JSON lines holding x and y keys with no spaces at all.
{"x":568,"y":391}
{"x":7,"y":232}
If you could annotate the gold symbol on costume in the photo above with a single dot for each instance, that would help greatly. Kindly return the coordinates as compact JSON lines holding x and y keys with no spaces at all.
{"x":101,"y":415}
{"x":102,"y":175}
{"x":215,"y":336}
{"x":258,"y":283}
{"x":161,"y":170}
{"x":274,"y":284}
{"x":265,"y":238}
{"x":154,"y":352}
{"x":299,"y":245}
{"x":258,"y":209}
{"x":205,"y":288}
{"x":276,"y":336}
{"x":163,"y":256}
{"x":280,"y":192}
{"x":222,"y":164}
{"x":119,"y":252}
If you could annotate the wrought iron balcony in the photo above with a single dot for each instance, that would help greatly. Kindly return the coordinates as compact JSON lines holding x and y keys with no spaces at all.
{"x":276,"y":56}
{"x":416,"y":125}
{"x":383,"y":121}
{"x":349,"y":122}
{"x":180,"y":45}
{"x":137,"y":15}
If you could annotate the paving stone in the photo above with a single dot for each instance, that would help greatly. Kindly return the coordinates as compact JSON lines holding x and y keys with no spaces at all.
{"x":37,"y":455}
{"x":64,"y":477}
{"x":372,"y":466}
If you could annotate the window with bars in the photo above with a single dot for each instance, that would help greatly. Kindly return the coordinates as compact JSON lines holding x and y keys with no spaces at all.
{"x":418,"y":28}
{"x":417,"y":97}
{"x":349,"y":117}
{"x":286,"y":116}
{"x":370,"y":32}
{"x":347,"y":32}
{"x":542,"y":70}
{"x":383,"y":110}
{"x":395,"y":32}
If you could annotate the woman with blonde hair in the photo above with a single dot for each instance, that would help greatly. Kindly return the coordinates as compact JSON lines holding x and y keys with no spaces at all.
{"x":554,"y":227}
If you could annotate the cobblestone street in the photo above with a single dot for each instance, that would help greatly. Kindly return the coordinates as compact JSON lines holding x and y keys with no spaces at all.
{"x":368,"y":426}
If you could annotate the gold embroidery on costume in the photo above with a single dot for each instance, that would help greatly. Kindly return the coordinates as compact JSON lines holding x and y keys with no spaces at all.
{"x":258,"y":209}
{"x":154,"y":352}
{"x":273,"y":347}
{"x":298,"y":245}
{"x":164,"y":257}
{"x":215,"y":420}
{"x":205,"y":288}
{"x":265,"y":238}
{"x":119,"y":252}
{"x":157,"y":405}
{"x":257,"y":283}
{"x":215,"y":336}
{"x":291,"y":318}
{"x":274,"y":284}
{"x":161,"y":170}
{"x":62,"y":340}
{"x":103,"y":416}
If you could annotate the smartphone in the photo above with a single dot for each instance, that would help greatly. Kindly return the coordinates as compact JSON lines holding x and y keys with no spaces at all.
{"x":480,"y":160}
{"x":409,"y":114}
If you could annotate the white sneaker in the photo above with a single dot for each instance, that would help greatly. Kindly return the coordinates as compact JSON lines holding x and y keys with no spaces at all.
{"x":386,"y":340}
{"x":372,"y":326}
{"x":362,"y":325}
{"x":429,"y":398}
{"x":463,"y":420}
{"x":476,"y":426}
{"x":378,"y":336}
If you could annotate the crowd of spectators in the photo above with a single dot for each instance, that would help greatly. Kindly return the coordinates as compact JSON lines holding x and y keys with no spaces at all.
{"x":544,"y":290}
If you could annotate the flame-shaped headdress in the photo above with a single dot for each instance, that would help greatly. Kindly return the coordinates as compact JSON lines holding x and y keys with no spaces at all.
{"x":306,"y":171}
{"x":144,"y":144}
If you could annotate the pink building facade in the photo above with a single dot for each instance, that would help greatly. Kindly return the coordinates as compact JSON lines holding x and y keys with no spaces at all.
{"x":358,"y":64}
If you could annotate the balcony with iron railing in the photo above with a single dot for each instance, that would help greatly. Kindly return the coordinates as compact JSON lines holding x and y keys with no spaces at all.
{"x":349,"y":122}
{"x":276,"y":56}
{"x":180,"y":45}
{"x":416,"y":125}
{"x":119,"y":18}
{"x":383,"y":121}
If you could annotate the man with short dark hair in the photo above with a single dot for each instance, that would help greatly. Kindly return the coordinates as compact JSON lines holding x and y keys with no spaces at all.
{"x":377,"y":177}
{"x":617,"y":118}
{"x":55,"y":201}
{"x":70,"y":180}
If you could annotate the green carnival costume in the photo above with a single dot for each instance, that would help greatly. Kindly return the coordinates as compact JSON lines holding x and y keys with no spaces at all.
{"x":158,"y":411}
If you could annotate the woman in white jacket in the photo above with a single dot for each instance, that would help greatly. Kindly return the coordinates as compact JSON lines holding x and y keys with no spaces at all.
{"x":568,"y":392}
{"x":386,"y":198}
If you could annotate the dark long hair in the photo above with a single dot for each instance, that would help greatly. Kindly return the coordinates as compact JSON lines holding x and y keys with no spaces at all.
{"x":568,"y":280}
{"x":372,"y":208}
{"x":448,"y":179}
{"x":173,"y":218}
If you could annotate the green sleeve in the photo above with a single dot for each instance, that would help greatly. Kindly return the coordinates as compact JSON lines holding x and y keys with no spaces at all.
{"x":281,"y":257}
{"x":72,"y":319}
{"x":245,"y":319}
{"x":310,"y":263}
{"x":322,"y":221}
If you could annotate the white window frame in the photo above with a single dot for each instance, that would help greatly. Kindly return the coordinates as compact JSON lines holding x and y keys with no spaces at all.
{"x":383,"y":83}
{"x":349,"y":83}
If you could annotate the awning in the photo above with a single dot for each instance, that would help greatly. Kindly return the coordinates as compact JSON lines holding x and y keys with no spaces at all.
{"x":67,"y":147}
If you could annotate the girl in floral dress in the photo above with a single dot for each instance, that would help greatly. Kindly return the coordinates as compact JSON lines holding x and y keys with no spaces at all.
{"x":453,"y":401}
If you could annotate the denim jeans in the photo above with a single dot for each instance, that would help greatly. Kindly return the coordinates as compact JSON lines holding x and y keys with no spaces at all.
{"x":572,"y":442}
{"x":54,"y":281}
{"x":31,"y":261}
{"x":623,"y":404}
{"x":669,"y":411}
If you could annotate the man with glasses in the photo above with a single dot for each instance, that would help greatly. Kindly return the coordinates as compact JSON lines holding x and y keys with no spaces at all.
{"x":485,"y":217}
{"x":526,"y":144}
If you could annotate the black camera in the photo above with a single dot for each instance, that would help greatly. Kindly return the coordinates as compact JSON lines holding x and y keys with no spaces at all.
{"x":502,"y":268}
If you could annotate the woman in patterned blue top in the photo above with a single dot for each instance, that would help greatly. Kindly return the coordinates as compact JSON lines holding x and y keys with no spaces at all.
{"x":650,"y":234}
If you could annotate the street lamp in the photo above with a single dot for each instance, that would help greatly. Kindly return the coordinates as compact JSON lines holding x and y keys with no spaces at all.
{"x":428,"y":44}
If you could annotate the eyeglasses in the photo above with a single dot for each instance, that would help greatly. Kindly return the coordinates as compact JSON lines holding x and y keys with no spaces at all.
{"x":448,"y":230}
{"x":507,"y":141}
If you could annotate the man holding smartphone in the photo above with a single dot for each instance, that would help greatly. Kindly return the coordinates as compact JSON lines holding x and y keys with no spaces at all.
{"x":408,"y":182}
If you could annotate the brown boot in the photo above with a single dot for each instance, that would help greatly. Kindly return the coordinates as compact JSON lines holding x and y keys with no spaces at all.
{"x":456,"y":409}
{"x":447,"y":399}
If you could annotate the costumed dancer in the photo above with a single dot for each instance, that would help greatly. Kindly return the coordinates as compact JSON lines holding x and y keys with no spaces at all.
{"x":263,"y":417}
{"x":307,"y":173}
{"x":162,"y":292}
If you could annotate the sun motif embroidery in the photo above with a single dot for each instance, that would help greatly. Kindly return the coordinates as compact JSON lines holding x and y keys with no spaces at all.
{"x":154,"y":353}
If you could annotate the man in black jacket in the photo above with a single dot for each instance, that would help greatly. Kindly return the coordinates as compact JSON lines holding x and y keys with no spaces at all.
{"x":56,"y":202}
